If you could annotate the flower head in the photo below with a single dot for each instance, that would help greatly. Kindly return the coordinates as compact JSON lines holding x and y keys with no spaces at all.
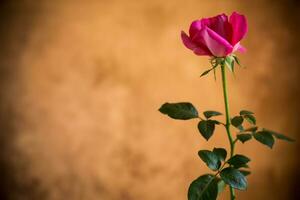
{"x":216,"y":36}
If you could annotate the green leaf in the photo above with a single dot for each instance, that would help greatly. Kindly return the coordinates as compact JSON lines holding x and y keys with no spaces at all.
{"x":237,"y":121}
{"x":237,"y":60}
{"x":279,"y":136}
{"x":203,"y":188}
{"x":242,"y":166}
{"x":183,"y":111}
{"x":251,"y":129}
{"x":244,"y":137}
{"x":205,"y":72}
{"x":250,"y":118}
{"x":245,"y":172}
{"x":210,"y":158}
{"x":265,"y":138}
{"x":215,"y":122}
{"x":206,"y":128}
{"x":210,"y":113}
{"x":238,"y":161}
{"x":241,"y":128}
{"x":246,"y":112}
{"x":221,"y":153}
{"x":229,"y":61}
{"x":221,"y":186}
{"x":215,"y":76}
{"x":234,"y":178}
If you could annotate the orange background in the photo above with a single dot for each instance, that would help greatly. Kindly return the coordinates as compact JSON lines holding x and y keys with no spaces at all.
{"x":81,"y":82}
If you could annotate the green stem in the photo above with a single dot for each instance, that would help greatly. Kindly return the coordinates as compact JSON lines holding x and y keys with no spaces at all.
{"x":228,"y":121}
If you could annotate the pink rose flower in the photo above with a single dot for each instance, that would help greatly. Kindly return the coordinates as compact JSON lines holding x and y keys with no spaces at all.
{"x":216,"y":36}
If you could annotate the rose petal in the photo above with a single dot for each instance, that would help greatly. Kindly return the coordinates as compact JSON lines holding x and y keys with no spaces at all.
{"x":239,"y":47}
{"x":242,"y":49}
{"x":187,"y":41}
{"x":202,"y":52}
{"x":198,"y":49}
{"x":220,"y":25}
{"x":195,"y":27}
{"x":217,"y":45}
{"x":239,"y":27}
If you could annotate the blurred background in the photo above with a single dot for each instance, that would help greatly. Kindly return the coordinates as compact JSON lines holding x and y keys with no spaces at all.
{"x":81,"y":83}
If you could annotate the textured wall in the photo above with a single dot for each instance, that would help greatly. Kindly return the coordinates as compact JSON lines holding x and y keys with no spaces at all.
{"x":81,"y":83}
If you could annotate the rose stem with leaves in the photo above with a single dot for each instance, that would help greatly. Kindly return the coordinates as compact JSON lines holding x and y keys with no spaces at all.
{"x":219,"y":37}
{"x":228,"y":121}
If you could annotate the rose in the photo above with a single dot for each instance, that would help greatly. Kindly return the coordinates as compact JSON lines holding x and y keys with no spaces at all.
{"x":216,"y":36}
{"x":219,"y":37}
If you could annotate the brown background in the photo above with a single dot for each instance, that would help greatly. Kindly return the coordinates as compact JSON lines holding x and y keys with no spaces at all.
{"x":81,"y":82}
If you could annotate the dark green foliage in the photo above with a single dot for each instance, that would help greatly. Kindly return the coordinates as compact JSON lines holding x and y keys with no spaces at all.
{"x":215,"y":64}
{"x":245,"y":172}
{"x":246,"y":112}
{"x":221,"y":153}
{"x":183,"y":110}
{"x":203,"y":188}
{"x":205,"y":72}
{"x":279,"y":136}
{"x":265,"y":138}
{"x":206,"y":128}
{"x":210,"y":113}
{"x":210,"y":158}
{"x":237,"y":121}
{"x":244,"y":137}
{"x":250,"y":118}
{"x":251,"y":129}
{"x":208,"y":186}
{"x":238,"y":161}
{"x":221,"y":186}
{"x":234,"y":178}
{"x":215,"y":122}
{"x":241,"y":128}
